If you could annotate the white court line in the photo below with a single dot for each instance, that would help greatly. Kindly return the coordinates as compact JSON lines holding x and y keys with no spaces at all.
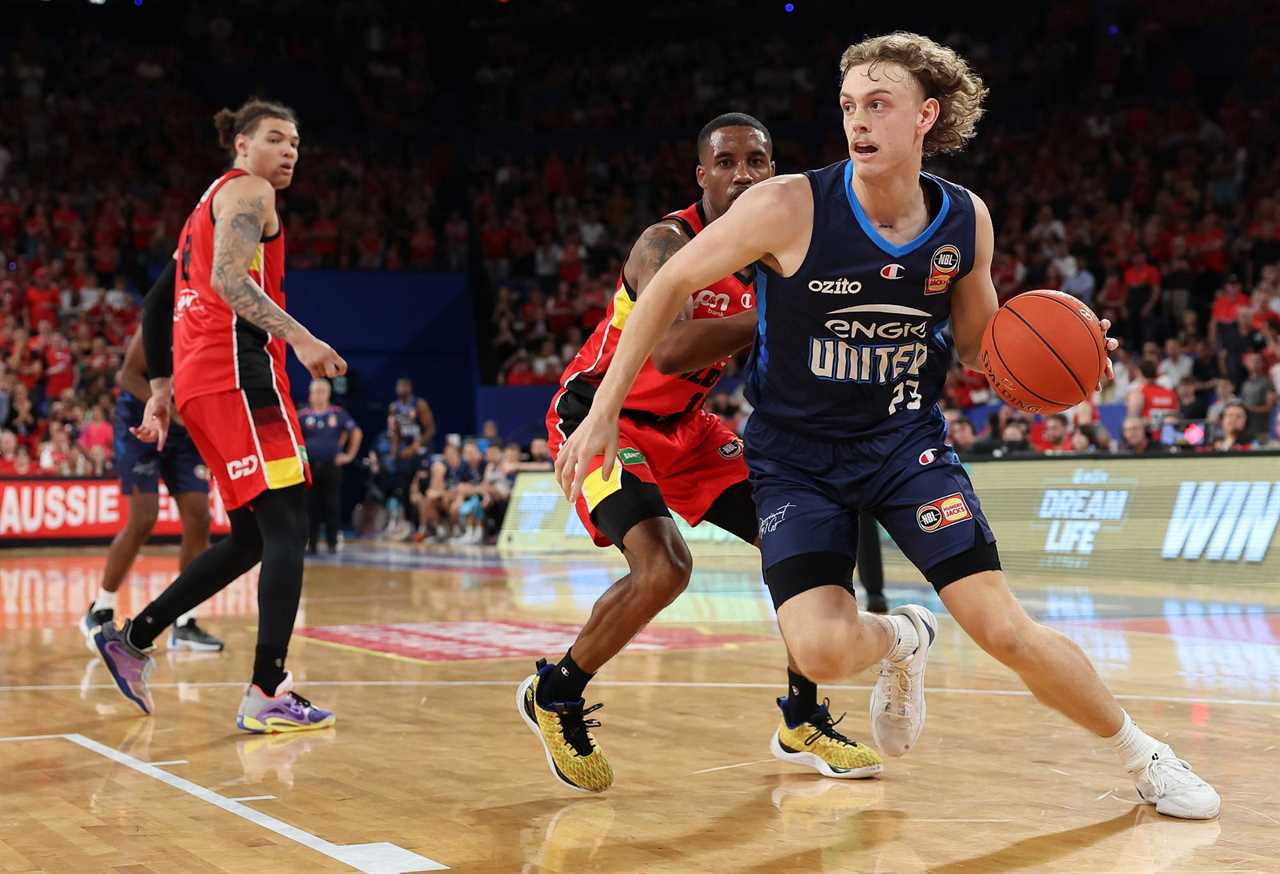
{"x":254,"y":798}
{"x":727,"y":767}
{"x":667,"y":684}
{"x":379,"y":858}
{"x":173,"y":762}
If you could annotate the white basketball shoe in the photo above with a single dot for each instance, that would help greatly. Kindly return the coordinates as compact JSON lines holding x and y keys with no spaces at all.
{"x":1169,"y":783}
{"x":897,"y":701}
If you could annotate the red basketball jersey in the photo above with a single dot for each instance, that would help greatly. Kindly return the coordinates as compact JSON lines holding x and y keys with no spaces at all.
{"x":655,"y":393}
{"x":213,"y":349}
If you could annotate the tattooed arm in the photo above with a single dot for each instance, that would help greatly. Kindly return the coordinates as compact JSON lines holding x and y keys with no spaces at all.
{"x":242,"y":210}
{"x":687,"y":344}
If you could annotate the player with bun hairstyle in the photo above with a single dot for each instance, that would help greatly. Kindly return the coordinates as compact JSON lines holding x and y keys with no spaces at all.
{"x":226,"y":323}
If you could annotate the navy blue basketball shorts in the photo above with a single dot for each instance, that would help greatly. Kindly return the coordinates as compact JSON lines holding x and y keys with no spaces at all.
{"x":808,"y":493}
{"x":141,"y":466}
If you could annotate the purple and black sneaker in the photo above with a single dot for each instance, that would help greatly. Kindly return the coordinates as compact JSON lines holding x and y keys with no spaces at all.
{"x":130,"y":667}
{"x":285,"y":711}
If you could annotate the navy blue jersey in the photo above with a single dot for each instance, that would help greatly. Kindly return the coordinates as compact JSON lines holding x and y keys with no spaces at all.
{"x":323,"y":432}
{"x":853,"y":344}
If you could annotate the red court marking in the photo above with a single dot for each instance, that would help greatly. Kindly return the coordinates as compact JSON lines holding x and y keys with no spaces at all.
{"x":459,"y":641}
{"x":1238,"y":627}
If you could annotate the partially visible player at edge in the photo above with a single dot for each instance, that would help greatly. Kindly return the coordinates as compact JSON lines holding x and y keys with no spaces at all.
{"x":674,"y":454}
{"x":229,"y":330}
{"x":141,"y":467}
{"x":861,"y":266}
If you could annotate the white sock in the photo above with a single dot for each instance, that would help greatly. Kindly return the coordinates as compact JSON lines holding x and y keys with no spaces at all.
{"x":907,"y":641}
{"x":1133,"y":745}
{"x":105,"y":600}
{"x":189,"y":616}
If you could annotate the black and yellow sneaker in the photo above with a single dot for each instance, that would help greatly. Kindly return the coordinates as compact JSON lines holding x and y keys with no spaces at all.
{"x":572,"y":753}
{"x":816,"y":744}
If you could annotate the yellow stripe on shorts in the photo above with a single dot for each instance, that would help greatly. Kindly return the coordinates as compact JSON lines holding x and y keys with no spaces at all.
{"x":595,"y":488}
{"x":284,"y":472}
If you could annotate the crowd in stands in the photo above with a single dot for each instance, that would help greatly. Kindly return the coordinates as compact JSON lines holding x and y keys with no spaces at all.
{"x":1149,"y":191}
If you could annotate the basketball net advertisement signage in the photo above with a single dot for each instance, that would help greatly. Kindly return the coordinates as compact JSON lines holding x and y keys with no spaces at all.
{"x":1190,"y":519}
{"x":49,"y":510}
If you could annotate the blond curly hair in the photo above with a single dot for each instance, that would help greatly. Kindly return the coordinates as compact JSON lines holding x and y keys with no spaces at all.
{"x":941,"y":74}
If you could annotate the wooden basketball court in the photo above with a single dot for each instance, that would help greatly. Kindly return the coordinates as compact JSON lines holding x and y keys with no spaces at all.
{"x":429,"y":767}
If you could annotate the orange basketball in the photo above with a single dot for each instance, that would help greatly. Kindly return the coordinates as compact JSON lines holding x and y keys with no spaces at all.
{"x":1044,"y":351}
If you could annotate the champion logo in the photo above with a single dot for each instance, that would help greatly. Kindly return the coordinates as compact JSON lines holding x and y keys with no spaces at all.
{"x":893,"y":271}
{"x":926,"y":457}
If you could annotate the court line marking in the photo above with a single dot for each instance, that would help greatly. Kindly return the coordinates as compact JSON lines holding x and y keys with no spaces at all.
{"x":253,"y":798}
{"x":727,"y":767}
{"x":669,"y":684}
{"x":173,"y":762}
{"x":376,"y":858}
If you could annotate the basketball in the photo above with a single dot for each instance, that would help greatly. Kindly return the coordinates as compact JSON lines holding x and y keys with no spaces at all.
{"x":1044,"y":352}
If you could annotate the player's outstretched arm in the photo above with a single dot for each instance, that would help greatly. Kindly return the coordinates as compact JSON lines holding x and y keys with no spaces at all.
{"x":242,"y":209}
{"x":763,"y":222}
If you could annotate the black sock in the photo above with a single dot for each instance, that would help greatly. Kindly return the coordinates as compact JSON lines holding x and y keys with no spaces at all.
{"x":208,"y":573}
{"x":268,"y":668}
{"x":566,"y":682}
{"x":802,"y":697}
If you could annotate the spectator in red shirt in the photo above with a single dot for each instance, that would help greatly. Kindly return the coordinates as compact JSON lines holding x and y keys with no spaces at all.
{"x":59,"y":372}
{"x":1142,"y":295}
{"x":1227,"y":304}
{"x":422,"y":247}
{"x":1053,"y":436}
{"x":1147,"y":399}
{"x":1210,"y":246}
{"x":519,"y":370}
{"x":42,"y":299}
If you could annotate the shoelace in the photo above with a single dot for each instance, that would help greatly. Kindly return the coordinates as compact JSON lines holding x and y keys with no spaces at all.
{"x":574,"y":727}
{"x":825,"y":726}
{"x":899,"y":703}
{"x":1171,"y":773}
{"x":299,"y":700}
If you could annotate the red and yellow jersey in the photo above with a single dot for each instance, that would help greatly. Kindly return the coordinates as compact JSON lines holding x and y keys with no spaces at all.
{"x":654,"y":394}
{"x":213,"y":349}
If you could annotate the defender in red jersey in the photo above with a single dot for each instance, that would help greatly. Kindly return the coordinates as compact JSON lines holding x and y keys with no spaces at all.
{"x":225,"y":321}
{"x":673,"y":456}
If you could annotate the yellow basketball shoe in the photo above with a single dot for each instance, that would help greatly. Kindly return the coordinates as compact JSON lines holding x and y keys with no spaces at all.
{"x":572,"y":752}
{"x":816,"y":744}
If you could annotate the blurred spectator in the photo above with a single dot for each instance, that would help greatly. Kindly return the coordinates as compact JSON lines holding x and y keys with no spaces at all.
{"x":1257,"y":395}
{"x":333,"y":441}
{"x":1192,"y":405}
{"x":1234,"y":430}
{"x":1053,"y":436}
{"x":962,"y":436}
{"x":8,"y":453}
{"x":1147,"y":399}
{"x":1136,"y":439}
{"x":1142,"y":295}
